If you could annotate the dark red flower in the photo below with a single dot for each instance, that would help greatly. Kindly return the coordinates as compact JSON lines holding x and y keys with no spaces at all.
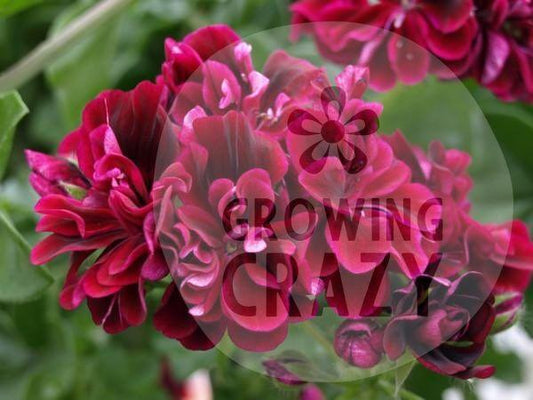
{"x":194,"y":177}
{"x":490,"y":40}
{"x":504,"y":48}
{"x":218,"y":77}
{"x":98,"y":206}
{"x":173,"y":320}
{"x":444,"y":324}
{"x":397,"y":40}
{"x":185,"y":57}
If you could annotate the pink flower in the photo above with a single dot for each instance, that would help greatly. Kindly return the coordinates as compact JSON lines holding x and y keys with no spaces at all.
{"x":185,"y":57}
{"x":444,"y":171}
{"x":504,"y":253}
{"x":220,"y":77}
{"x":227,"y":99}
{"x":98,"y":206}
{"x":266,"y":194}
{"x":224,"y":184}
{"x":353,"y":199}
{"x":373,"y":200}
{"x":333,"y":128}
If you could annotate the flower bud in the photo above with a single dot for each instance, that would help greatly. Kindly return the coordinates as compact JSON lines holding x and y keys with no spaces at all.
{"x":55,"y":175}
{"x":507,"y":308}
{"x":359,"y":343}
{"x":276,"y":369}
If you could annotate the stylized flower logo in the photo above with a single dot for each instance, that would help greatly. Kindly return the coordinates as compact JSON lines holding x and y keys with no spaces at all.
{"x":336,"y":130}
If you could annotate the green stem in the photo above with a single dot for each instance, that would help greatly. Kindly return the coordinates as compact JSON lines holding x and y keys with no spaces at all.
{"x":47,"y":52}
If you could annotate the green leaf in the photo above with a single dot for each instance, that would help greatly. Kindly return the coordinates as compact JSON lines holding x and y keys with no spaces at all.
{"x":14,"y":233}
{"x":9,"y":7}
{"x":19,"y":280}
{"x":12,"y":109}
{"x":46,"y":364}
{"x":513,"y":126}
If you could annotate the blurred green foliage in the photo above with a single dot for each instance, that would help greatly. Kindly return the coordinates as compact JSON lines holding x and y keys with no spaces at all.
{"x":9,"y":7}
{"x":46,"y":353}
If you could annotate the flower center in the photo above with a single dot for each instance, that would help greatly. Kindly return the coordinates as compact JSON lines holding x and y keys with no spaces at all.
{"x":332,"y":131}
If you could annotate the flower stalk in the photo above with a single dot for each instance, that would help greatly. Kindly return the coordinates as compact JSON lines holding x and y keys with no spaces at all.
{"x":44,"y":54}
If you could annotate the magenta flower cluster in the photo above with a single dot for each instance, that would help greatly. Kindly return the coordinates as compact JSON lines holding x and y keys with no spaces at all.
{"x":181,"y":181}
{"x":404,"y":40}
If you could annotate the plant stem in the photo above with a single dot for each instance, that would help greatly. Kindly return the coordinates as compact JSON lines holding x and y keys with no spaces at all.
{"x":44,"y":54}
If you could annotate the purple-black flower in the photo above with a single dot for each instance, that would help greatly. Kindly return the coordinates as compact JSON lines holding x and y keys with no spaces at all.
{"x":444,"y":324}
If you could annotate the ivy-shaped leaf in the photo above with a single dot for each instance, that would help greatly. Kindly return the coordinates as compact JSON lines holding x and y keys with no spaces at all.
{"x":12,"y":110}
{"x":19,"y":280}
